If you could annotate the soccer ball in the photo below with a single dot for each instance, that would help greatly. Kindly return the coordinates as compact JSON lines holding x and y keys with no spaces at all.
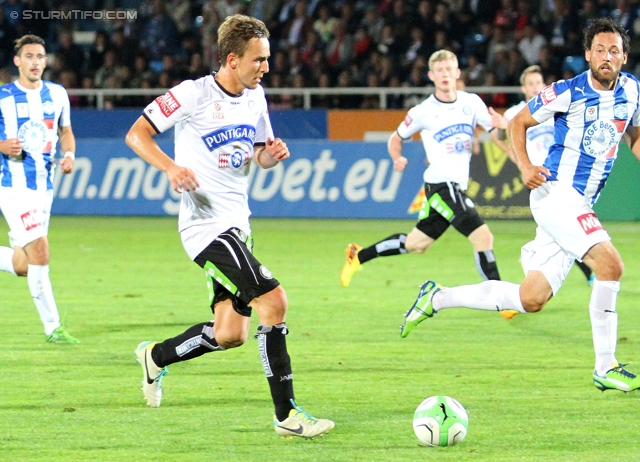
{"x":440,"y":421}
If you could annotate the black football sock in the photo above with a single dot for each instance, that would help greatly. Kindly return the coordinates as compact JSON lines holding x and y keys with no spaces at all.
{"x":487,"y":266}
{"x":195,"y":341}
{"x":392,"y":245}
{"x":585,"y":269}
{"x":272,"y":344}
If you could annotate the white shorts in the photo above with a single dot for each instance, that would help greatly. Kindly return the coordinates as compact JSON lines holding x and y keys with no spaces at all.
{"x":567,"y":229}
{"x":27,"y":213}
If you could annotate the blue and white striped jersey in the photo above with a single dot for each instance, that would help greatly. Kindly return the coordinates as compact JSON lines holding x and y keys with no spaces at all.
{"x":589,"y":125}
{"x":32,"y":116}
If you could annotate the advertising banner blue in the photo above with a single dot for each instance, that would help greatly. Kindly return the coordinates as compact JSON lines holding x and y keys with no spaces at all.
{"x":321,"y":179}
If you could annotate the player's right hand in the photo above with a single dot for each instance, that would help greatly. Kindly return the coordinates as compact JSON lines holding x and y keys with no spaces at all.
{"x":11,"y":147}
{"x":400,"y":164}
{"x":534,"y":176}
{"x":182,"y":179}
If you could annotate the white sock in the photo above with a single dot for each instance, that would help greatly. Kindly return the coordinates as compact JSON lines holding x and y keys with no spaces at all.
{"x":42,"y":293}
{"x":6,"y":260}
{"x":488,"y":295}
{"x":604,"y":323}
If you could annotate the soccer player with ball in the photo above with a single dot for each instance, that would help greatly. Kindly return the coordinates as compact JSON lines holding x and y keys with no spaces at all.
{"x":592,"y":112}
{"x":221,"y":127}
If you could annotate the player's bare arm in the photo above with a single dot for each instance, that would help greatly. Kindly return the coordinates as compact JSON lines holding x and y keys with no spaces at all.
{"x":68,"y":145}
{"x":632,"y":135}
{"x":11,"y":147}
{"x":394,"y":146}
{"x":274,"y":151}
{"x":532,"y":175}
{"x":140,"y":139}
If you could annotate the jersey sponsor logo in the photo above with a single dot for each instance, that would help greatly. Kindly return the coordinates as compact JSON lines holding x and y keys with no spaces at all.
{"x":33,"y":135}
{"x":453,"y":130}
{"x":620,"y":111}
{"x":590,"y":223}
{"x":168,"y":103}
{"x":600,"y":138}
{"x":233,"y":161}
{"x":407,"y":120}
{"x":30,"y":220}
{"x":23,"y":110}
{"x":228,"y":135}
{"x":548,"y":94}
{"x":591,"y":114}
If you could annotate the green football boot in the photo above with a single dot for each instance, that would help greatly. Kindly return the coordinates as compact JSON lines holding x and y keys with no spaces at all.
{"x":617,"y":378}
{"x":421,"y":309}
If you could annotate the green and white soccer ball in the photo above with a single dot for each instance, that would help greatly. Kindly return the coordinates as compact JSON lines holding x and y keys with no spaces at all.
{"x":440,"y":421}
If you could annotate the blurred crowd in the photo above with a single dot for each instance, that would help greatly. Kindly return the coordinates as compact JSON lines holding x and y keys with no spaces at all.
{"x":314,"y":43}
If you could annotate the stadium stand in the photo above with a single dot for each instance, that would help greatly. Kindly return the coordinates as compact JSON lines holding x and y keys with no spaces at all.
{"x":315,"y":43}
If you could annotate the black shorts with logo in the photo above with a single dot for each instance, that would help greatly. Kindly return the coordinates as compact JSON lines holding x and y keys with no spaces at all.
{"x":233,"y":272}
{"x":447,"y":205}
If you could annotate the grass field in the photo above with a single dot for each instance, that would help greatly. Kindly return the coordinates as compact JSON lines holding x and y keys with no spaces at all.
{"x":525,"y":383}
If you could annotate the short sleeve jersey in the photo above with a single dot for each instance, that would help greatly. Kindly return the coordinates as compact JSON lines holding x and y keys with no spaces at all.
{"x":447,"y":131}
{"x":215,"y":134}
{"x":539,"y":138}
{"x":32,"y":116}
{"x":589,"y":125}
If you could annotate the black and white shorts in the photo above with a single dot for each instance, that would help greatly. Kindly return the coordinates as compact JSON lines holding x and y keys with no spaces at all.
{"x":233,"y":272}
{"x":447,"y":205}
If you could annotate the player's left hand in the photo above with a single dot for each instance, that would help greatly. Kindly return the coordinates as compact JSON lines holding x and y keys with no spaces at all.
{"x":66,"y":164}
{"x":498,"y":120}
{"x":277,"y":149}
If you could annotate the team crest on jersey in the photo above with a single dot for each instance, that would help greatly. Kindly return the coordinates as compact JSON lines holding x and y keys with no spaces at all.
{"x":600,"y":138}
{"x":591,"y":114}
{"x":33,"y":135}
{"x":548,"y":94}
{"x":620,"y":111}
{"x":235,"y":160}
{"x":168,"y":103}
{"x":589,"y":223}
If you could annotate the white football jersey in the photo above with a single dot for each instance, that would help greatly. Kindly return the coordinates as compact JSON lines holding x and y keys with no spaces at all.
{"x":589,"y":124}
{"x":447,"y":130}
{"x":32,"y":116}
{"x":539,"y":138}
{"x":215,"y":133}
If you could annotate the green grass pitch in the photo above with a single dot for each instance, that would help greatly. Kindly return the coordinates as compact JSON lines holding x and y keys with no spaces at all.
{"x":525,"y":383}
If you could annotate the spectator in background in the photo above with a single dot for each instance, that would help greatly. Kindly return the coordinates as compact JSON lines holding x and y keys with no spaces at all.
{"x":180,"y":11}
{"x":196,"y":67}
{"x":475,"y":71}
{"x":88,"y":100}
{"x":107,"y":70}
{"x":325,"y":24}
{"x":548,"y":65}
{"x":124,"y":48}
{"x":160,"y":36}
{"x":141,"y":71}
{"x":98,"y":49}
{"x":587,"y":14}
{"x":371,"y":101}
{"x":74,"y":54}
{"x":373,"y":23}
{"x":295,"y":29}
{"x":416,"y":47}
{"x":7,"y":36}
{"x":531,"y":43}
{"x":68,"y":80}
{"x":322,"y":101}
{"x":340,"y":50}
{"x":389,"y":45}
{"x":562,"y":23}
